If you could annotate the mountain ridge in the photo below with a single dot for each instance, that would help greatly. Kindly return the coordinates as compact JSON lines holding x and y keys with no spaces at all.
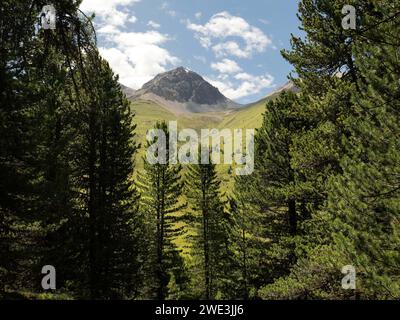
{"x":184,"y":91}
{"x":289,"y":86}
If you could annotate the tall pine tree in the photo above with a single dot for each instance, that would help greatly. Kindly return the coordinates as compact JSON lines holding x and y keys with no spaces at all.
{"x":161,"y":188}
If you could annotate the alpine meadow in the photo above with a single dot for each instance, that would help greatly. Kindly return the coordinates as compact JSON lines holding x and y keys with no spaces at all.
{"x":85,"y":216}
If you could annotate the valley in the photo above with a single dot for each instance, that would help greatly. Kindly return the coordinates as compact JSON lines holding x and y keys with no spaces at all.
{"x":176,"y":104}
{"x":148,"y":113}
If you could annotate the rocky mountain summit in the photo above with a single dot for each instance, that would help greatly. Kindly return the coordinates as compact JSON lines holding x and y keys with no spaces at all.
{"x":184,"y":90}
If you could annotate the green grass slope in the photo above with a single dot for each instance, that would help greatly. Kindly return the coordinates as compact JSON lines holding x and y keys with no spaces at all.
{"x":147,"y":113}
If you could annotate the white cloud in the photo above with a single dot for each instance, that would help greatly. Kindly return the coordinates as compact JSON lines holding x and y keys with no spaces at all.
{"x":138,"y":56}
{"x":222,"y":26}
{"x":88,"y":5}
{"x":107,"y":29}
{"x":198,"y":15}
{"x":230,"y":48}
{"x":153,"y":24}
{"x":226,"y":66}
{"x":109,"y":11}
{"x":128,"y":73}
{"x":165,"y":6}
{"x":231,"y":36}
{"x":132,"y":19}
{"x":264,"y":21}
{"x":244,"y":76}
{"x":172,"y":13}
{"x":242,"y":85}
{"x":135,"y":56}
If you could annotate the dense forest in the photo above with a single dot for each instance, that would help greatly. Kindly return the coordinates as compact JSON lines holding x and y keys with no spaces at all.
{"x":325,"y":192}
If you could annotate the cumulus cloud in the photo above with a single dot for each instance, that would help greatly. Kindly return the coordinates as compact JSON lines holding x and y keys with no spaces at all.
{"x":132,"y":74}
{"x":135,"y":56}
{"x":165,"y":6}
{"x":109,"y":11}
{"x":242,"y":85}
{"x":107,"y":29}
{"x":172,"y":13}
{"x":223,"y":25}
{"x":226,"y":66}
{"x":153,"y":24}
{"x":132,"y":19}
{"x":230,"y":48}
{"x":138,"y":56}
{"x":232,"y":37}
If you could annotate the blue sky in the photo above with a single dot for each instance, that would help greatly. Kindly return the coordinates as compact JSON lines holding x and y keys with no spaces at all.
{"x":234,"y":44}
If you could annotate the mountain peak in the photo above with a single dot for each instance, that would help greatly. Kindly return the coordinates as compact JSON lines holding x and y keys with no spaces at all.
{"x":187,"y":88}
{"x":182,"y":69}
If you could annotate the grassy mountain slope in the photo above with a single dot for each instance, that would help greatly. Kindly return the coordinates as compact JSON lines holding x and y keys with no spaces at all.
{"x":248,"y":118}
{"x":148,"y":113}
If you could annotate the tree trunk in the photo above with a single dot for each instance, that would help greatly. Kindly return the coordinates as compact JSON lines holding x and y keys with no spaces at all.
{"x":92,"y":209}
{"x":206,"y":248}
{"x":292,"y":217}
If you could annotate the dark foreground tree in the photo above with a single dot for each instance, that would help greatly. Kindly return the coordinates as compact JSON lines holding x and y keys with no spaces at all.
{"x":66,"y":159}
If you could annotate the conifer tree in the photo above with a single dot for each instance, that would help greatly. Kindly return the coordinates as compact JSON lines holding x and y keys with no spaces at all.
{"x":49,"y":97}
{"x":269,"y":210}
{"x":345,"y":137}
{"x":161,"y":189}
{"x":106,"y":167}
{"x":212,"y":226}
{"x":365,"y":200}
{"x":34,"y":86}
